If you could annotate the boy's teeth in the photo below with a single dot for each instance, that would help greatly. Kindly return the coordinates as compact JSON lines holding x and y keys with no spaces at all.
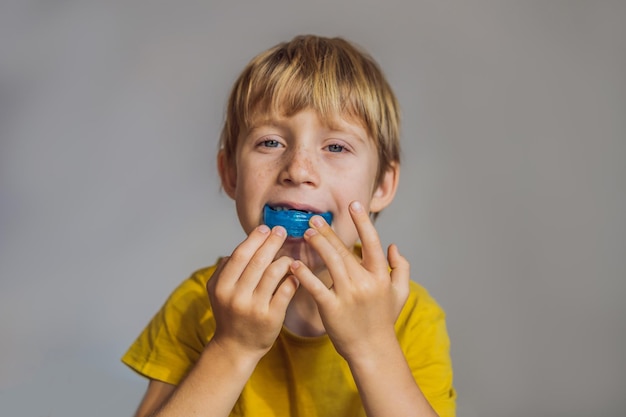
{"x":287,"y":209}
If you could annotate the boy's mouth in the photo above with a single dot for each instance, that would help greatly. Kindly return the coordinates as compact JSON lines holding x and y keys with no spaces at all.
{"x":295,"y":221}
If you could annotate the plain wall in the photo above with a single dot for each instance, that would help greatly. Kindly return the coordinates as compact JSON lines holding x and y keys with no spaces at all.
{"x":511,"y":206}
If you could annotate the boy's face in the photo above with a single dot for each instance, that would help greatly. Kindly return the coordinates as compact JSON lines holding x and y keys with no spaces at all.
{"x":299,"y":162}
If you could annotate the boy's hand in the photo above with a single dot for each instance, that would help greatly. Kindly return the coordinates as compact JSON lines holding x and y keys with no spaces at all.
{"x":360,"y":308}
{"x":249,"y":293}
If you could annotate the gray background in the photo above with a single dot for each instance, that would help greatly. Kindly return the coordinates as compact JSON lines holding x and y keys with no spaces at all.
{"x":511,"y":206}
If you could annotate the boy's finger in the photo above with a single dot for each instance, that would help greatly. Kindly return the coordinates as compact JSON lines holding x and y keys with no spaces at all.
{"x":239,"y":259}
{"x":319,"y":223}
{"x":272,"y":277}
{"x":400,"y":275}
{"x":372,"y":250}
{"x":337,"y":258}
{"x":400,"y":267}
{"x":262,"y":259}
{"x":283,"y":294}
{"x":310,"y":282}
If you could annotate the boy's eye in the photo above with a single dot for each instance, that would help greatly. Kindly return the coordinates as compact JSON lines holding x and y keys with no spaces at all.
{"x":335,"y":148}
{"x":270,"y":143}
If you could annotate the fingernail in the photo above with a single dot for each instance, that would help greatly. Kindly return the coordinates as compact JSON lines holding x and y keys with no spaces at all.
{"x":295,"y":265}
{"x":317,"y":221}
{"x":263,"y":229}
{"x":357,"y":207}
{"x":279,"y":231}
{"x":310,"y":232}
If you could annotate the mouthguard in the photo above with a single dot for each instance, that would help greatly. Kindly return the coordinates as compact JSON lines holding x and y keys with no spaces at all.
{"x":294,"y":221}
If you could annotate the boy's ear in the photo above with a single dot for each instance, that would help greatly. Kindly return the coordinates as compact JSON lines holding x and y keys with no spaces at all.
{"x":228,"y":174}
{"x":386,"y":190}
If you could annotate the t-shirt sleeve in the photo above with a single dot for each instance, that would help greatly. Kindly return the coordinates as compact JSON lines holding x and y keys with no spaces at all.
{"x":423,"y":335}
{"x":174,"y":339}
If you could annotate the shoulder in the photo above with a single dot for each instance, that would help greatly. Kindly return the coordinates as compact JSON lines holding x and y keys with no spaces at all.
{"x":422,"y":320}
{"x":422,"y":303}
{"x":201,"y":276}
{"x":194,"y":287}
{"x":173,"y":340}
{"x":187,"y":311}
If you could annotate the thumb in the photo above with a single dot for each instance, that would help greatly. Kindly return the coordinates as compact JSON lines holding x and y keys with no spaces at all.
{"x":284,"y":293}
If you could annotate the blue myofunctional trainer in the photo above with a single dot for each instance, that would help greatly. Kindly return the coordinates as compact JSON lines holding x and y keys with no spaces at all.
{"x":295,"y":221}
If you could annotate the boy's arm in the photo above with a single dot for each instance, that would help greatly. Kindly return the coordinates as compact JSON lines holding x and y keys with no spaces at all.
{"x":210,"y":389}
{"x":386,"y":384}
{"x":156,"y":394}
{"x":359,"y":312}
{"x":249,"y":296}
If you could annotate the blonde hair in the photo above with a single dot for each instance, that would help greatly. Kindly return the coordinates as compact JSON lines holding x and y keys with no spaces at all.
{"x":331,"y":76}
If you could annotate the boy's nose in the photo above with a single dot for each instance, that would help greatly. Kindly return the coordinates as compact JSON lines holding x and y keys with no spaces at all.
{"x":299,"y":168}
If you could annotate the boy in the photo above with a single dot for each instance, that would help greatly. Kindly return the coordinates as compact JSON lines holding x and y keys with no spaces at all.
{"x":311,"y":325}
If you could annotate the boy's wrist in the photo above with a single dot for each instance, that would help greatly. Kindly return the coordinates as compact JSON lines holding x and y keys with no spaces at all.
{"x":372,"y":351}
{"x":241,"y":360}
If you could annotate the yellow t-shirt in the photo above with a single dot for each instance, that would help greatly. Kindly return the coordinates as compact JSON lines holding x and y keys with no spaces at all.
{"x":299,"y":376}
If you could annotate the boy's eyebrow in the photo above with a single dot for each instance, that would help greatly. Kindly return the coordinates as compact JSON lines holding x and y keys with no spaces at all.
{"x":263,"y":123}
{"x":348,"y":128}
{"x":251,"y":130}
{"x":259,"y":122}
{"x":350,"y":133}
